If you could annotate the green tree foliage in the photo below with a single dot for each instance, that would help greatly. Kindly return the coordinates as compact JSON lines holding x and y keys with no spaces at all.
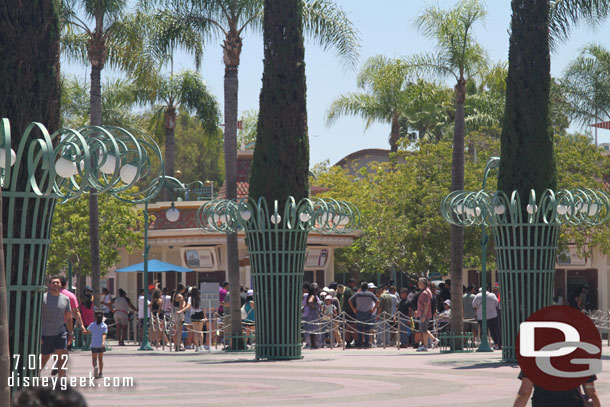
{"x":200,"y":155}
{"x":119,"y":228}
{"x":402,"y":224}
{"x":527,"y":143}
{"x":586,"y":86}
{"x":280,"y":165}
{"x":249,"y":122}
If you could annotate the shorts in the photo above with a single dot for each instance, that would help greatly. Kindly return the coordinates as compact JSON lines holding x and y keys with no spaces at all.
{"x":197,"y":316}
{"x":178,"y":318}
{"x":423,"y":325}
{"x":121,"y":318}
{"x":98,"y":350}
{"x":50,"y":343}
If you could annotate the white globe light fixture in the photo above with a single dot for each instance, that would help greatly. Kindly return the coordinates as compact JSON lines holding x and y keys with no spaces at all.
{"x":304,"y":217}
{"x":3,"y":158}
{"x":128,"y":173}
{"x":65,"y":168}
{"x":246,"y":215}
{"x":275,"y":218}
{"x":172,"y":214}
{"x":109,"y":165}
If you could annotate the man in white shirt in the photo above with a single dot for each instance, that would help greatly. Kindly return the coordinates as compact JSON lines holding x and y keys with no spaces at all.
{"x":492,"y":315}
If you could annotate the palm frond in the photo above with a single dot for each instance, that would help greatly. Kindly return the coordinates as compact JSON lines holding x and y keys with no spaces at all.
{"x":75,"y":46}
{"x":329,"y":25}
{"x":357,"y":104}
{"x":194,"y":94}
{"x":431,"y":66}
{"x":566,"y":14}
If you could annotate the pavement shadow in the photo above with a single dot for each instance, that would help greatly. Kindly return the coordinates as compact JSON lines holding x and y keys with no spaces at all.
{"x":486,"y":365}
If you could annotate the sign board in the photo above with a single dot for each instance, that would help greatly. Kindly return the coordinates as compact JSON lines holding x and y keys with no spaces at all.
{"x":569,"y":257}
{"x":199,"y":258}
{"x":316,"y":258}
{"x":209,"y":294}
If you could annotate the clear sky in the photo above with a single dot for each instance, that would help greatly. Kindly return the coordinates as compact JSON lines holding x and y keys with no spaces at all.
{"x":386,"y":27}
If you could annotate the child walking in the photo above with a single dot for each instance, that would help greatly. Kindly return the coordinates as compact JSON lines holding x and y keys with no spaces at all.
{"x":98,"y":330}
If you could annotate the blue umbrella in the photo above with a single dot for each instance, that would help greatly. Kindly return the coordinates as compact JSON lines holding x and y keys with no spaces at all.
{"x":154,"y":266}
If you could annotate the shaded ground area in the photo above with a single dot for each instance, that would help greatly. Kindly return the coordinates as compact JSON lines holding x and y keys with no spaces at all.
{"x":351,"y":378}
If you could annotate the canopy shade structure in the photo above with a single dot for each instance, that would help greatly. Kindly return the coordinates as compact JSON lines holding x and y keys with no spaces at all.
{"x":602,"y":125}
{"x":154,"y":266}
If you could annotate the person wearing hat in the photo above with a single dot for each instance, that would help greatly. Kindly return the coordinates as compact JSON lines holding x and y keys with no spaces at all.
{"x":444,"y":318}
{"x":364,"y":304}
{"x":98,"y":330}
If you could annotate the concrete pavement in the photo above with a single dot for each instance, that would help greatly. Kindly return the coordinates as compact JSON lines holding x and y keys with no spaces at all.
{"x":384,"y":377}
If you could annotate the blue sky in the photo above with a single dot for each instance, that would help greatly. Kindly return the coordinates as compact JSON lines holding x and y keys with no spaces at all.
{"x":386,"y":27}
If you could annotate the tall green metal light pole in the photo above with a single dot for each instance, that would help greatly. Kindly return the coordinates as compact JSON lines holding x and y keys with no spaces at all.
{"x":172,"y":215}
{"x":484,"y":346}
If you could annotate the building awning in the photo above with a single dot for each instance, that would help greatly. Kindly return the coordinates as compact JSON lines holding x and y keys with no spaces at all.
{"x":602,"y":125}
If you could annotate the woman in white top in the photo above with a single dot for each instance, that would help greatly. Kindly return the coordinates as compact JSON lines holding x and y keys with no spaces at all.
{"x":197,"y":318}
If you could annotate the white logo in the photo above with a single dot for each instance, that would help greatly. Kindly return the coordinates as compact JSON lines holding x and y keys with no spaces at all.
{"x":570,"y":344}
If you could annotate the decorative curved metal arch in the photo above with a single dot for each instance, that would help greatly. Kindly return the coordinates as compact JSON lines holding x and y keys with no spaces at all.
{"x":572,"y":207}
{"x":320,"y":215}
{"x":30,"y":206}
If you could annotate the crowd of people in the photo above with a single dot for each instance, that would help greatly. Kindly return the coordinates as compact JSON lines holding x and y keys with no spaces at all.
{"x":364,"y":315}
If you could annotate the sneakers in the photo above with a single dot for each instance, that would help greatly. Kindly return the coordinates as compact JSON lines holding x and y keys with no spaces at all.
{"x":196,"y":348}
{"x":422,"y":349}
{"x":435,"y":344}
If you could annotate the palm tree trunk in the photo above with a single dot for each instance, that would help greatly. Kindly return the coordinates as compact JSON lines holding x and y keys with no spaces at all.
{"x":457,"y":233}
{"x":170,"y":144}
{"x":394,"y":133}
{"x":230,"y":147}
{"x":94,"y":221}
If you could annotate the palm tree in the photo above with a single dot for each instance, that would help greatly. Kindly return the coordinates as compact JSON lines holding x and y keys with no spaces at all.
{"x":459,"y":57}
{"x":586,"y":86}
{"x":115,"y":38}
{"x":386,"y":87}
{"x":228,"y":19}
{"x":187,"y":90}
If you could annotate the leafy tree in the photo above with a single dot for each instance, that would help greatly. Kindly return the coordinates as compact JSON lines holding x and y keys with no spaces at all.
{"x":458,"y":56}
{"x":249,"y":121}
{"x":402,"y":225}
{"x":70,"y":231}
{"x":586,"y":86}
{"x":200,"y":154}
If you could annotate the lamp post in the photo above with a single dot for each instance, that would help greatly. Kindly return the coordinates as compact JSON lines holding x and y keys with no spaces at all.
{"x":172,"y":215}
{"x":58,"y":167}
{"x":484,"y":345}
{"x":277,"y":245}
{"x":525,"y":242}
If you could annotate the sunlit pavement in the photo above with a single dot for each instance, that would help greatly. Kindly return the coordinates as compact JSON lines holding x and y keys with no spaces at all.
{"x":384,"y":377}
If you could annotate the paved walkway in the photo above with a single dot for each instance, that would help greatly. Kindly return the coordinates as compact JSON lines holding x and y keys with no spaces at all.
{"x":383,"y":377}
